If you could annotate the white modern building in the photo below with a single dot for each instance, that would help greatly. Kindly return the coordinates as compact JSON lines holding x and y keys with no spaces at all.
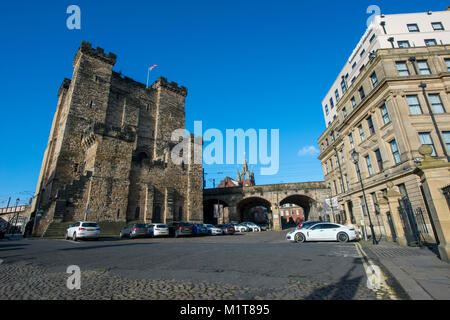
{"x":388,"y":31}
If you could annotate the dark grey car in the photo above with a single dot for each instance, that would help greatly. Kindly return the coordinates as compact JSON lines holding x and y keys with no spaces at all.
{"x":177,"y":229}
{"x":226,"y":228}
{"x":134,"y":230}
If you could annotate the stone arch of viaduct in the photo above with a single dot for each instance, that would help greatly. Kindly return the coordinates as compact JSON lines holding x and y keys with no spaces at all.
{"x":236,"y":200}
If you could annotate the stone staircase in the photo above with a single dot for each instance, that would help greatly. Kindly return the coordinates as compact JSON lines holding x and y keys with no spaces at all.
{"x":56,"y":230}
{"x":68,"y":195}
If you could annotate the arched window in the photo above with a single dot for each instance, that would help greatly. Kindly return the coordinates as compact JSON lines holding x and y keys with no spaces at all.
{"x":180,"y":213}
{"x":142,"y":156}
{"x":156,"y":214}
{"x":137,"y":213}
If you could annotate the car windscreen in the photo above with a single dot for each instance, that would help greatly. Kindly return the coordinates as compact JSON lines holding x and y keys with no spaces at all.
{"x":140,"y":226}
{"x":160,"y":226}
{"x":89,"y":224}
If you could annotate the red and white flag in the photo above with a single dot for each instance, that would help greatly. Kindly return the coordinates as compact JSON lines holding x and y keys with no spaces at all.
{"x":153,"y":66}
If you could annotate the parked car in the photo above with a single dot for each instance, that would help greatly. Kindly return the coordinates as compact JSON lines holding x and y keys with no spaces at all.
{"x":213,"y":230}
{"x":177,"y":229}
{"x":307,"y":224}
{"x":239,"y":227}
{"x":199,"y":229}
{"x":323,"y":232}
{"x":158,"y":229}
{"x":226,"y":228}
{"x":134,"y":230}
{"x":83,"y":230}
{"x":251,"y":226}
{"x":263,"y":226}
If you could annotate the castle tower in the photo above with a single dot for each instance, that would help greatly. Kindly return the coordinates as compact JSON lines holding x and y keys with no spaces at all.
{"x":107,"y":154}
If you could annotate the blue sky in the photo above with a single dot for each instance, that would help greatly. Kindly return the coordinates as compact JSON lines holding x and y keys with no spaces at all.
{"x":246,"y":64}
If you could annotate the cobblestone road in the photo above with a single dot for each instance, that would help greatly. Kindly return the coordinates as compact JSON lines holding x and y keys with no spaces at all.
{"x":31,"y":273}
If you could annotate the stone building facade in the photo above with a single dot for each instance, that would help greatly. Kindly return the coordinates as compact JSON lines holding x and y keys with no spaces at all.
{"x":398,"y":103}
{"x":108,"y":154}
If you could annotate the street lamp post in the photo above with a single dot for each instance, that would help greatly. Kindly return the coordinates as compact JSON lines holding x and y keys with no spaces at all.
{"x":355,"y":158}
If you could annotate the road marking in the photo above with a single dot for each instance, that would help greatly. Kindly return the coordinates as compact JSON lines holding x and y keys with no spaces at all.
{"x":71,"y":241}
{"x":371,"y":270}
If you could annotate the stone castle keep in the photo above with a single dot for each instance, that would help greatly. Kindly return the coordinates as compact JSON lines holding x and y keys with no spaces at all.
{"x":108,"y":151}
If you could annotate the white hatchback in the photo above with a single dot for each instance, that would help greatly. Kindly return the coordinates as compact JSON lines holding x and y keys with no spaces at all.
{"x":323,"y":232}
{"x":83,"y":230}
{"x":158,"y":229}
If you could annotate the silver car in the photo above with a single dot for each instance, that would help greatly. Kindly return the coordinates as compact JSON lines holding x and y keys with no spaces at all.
{"x":212,"y":230}
{"x":252,"y":227}
{"x":158,"y":229}
{"x":134,"y":230}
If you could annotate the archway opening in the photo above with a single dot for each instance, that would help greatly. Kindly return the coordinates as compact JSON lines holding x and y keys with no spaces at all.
{"x":213,"y":209}
{"x":254,"y":209}
{"x":295,"y":209}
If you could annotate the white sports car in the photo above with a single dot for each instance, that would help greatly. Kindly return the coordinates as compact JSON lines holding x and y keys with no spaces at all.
{"x":323,"y":232}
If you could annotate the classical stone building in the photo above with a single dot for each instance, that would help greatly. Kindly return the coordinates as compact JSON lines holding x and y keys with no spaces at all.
{"x":397,"y":103}
{"x":108,"y":154}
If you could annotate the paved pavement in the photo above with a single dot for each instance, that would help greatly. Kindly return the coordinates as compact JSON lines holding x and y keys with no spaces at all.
{"x":243,"y":266}
{"x":418,"y":270}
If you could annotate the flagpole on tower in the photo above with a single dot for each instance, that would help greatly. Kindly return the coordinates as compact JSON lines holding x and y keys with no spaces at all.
{"x":148,"y":72}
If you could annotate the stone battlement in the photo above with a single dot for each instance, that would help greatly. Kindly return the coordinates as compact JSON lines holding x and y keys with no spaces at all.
{"x":99,"y":53}
{"x":173,"y":86}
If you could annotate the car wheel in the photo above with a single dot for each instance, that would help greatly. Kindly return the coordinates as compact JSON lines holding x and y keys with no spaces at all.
{"x":74,"y":237}
{"x":299,"y":237}
{"x":342,"y":237}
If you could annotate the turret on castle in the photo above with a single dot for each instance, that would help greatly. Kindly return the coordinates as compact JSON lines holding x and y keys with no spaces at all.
{"x":106,"y":158}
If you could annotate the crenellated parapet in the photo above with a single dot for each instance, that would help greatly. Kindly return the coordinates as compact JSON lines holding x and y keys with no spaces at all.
{"x":98,"y":53}
{"x":172,"y":86}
